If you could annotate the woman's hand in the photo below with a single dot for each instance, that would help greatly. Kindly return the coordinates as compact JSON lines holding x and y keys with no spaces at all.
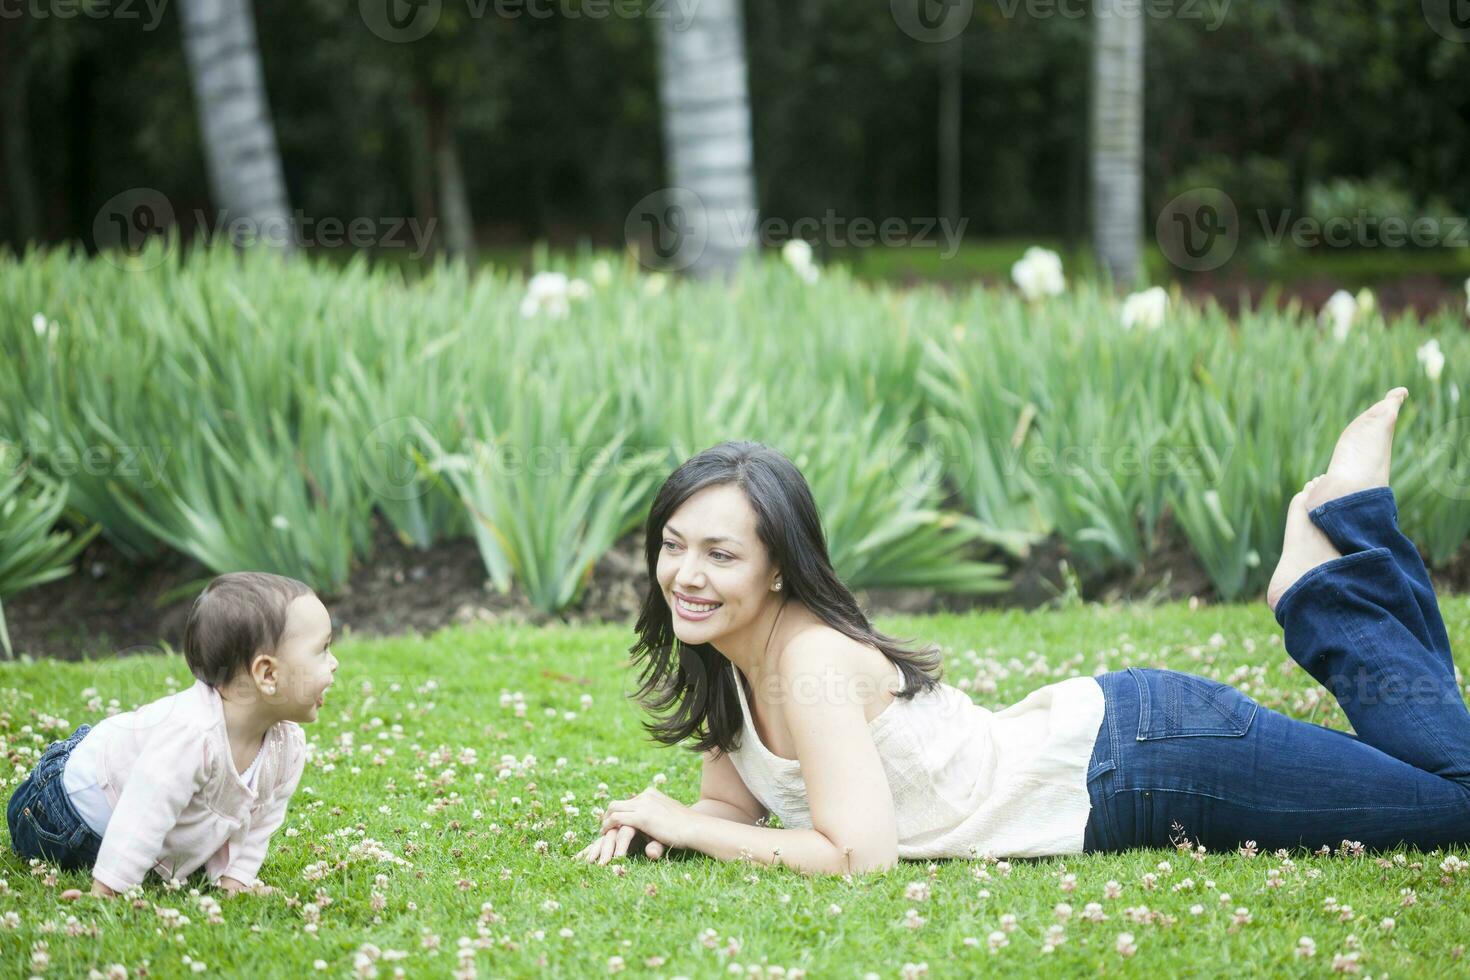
{"x":619,"y":841}
{"x":663,"y":819}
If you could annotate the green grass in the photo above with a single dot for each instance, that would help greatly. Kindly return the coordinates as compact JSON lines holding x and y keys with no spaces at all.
{"x":391,"y":763}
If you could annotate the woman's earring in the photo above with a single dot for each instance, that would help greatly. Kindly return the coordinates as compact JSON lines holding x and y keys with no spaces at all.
{"x":271,"y":689}
{"x":776,"y":587}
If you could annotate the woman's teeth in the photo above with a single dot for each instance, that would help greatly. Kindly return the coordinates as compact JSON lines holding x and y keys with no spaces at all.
{"x":696,"y":607}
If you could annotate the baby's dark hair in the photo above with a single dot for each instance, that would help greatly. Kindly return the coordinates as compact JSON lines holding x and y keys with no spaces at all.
{"x":238,"y":616}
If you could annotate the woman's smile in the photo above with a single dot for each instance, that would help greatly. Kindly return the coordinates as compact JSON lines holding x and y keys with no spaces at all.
{"x":692,"y":610}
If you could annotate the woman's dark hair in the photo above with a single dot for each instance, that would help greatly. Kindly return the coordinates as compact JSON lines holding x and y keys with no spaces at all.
{"x":689,"y":688}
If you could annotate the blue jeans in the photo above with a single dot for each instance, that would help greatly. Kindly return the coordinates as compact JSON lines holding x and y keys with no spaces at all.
{"x":1181,"y":756}
{"x":43,"y":822}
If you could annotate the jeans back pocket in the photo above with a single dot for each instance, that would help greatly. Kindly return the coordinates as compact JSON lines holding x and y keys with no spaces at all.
{"x":1173,"y":704}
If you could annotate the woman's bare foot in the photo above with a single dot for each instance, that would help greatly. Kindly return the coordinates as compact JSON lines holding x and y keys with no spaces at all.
{"x":1303,"y":548}
{"x":1361,"y":458}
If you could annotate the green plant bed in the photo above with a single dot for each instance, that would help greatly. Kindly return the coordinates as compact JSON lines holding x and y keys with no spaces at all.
{"x":253,"y":413}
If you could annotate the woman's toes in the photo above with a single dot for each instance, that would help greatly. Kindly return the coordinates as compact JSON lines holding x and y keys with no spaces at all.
{"x":1363,"y":453}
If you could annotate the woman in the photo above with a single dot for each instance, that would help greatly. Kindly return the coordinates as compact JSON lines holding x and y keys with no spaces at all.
{"x":751,"y":647}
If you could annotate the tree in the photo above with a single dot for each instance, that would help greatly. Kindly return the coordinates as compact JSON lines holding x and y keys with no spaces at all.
{"x":951,"y":157}
{"x":706,"y":121}
{"x":234,"y":119}
{"x":1117,"y":138}
{"x":16,"y":162}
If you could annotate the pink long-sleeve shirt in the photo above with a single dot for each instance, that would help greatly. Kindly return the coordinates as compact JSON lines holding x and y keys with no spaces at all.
{"x":178,"y":802}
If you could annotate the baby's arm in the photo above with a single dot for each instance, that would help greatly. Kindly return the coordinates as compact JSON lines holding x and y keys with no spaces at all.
{"x":169,"y":770}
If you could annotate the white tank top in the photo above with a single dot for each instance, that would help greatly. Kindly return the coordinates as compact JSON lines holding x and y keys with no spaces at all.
{"x":965,"y":780}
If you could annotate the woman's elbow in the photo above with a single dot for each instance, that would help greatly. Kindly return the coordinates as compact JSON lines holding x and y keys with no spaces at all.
{"x":864,"y":858}
{"x":884,"y":862}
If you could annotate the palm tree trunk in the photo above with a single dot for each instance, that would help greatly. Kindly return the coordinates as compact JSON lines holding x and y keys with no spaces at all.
{"x":706,"y":118}
{"x":15,"y":134}
{"x":454,"y":199}
{"x":1117,"y":138}
{"x":951,"y":61}
{"x":234,"y":118}
{"x":421,"y":169}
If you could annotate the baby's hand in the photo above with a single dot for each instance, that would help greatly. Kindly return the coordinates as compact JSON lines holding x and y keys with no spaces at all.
{"x":232,"y":886}
{"x":101,"y":890}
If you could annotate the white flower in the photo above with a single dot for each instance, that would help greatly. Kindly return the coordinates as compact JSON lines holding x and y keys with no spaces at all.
{"x":280,"y":523}
{"x":1038,"y":273}
{"x":1146,"y":309}
{"x":1432,"y":358}
{"x":655,"y":283}
{"x":1340,"y":311}
{"x":548,"y":291}
{"x":551,"y":293}
{"x":602,"y":273}
{"x":43,"y":327}
{"x":797,"y":253}
{"x":1367,"y":302}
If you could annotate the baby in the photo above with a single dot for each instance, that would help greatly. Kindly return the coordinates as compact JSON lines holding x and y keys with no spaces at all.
{"x":201,"y":777}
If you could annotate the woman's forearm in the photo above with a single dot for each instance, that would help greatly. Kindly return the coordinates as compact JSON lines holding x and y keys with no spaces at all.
{"x":808,"y":851}
{"x":723,"y":810}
